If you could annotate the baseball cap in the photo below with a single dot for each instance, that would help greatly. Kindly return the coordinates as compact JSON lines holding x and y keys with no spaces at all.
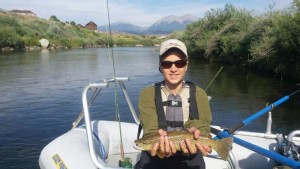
{"x":172,"y":43}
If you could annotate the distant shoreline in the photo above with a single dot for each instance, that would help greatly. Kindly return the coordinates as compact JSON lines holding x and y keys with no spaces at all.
{"x":38,"y":48}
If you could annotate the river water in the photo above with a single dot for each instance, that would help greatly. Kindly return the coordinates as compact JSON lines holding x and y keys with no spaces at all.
{"x":40,"y":95}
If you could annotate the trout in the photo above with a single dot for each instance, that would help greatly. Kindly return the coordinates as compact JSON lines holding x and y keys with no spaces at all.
{"x":222,"y":147}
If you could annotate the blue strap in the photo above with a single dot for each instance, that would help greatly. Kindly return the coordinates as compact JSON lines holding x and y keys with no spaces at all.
{"x":103,"y":155}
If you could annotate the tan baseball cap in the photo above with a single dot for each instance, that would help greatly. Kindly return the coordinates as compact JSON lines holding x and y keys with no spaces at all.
{"x":172,"y":43}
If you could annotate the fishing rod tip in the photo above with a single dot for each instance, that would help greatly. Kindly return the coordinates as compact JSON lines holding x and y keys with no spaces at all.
{"x":298,"y":91}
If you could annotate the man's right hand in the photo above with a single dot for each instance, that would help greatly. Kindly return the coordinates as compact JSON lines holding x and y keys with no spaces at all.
{"x":165,"y":148}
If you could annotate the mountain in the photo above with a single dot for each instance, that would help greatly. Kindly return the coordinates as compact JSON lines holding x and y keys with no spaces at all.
{"x":171,"y":23}
{"x":166,"y":25}
{"x":123,"y":27}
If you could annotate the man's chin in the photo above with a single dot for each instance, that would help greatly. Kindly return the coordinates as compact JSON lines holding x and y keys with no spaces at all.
{"x":175,"y":82}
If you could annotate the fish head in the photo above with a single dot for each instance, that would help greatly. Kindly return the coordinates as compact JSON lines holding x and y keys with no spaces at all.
{"x":143,"y":146}
{"x":146,"y":143}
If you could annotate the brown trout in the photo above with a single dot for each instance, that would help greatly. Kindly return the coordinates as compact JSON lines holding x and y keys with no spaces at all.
{"x":222,"y":147}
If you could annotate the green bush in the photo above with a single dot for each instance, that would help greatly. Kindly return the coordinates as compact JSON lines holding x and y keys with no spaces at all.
{"x":31,"y":41}
{"x":268,"y":42}
{"x":8,"y":36}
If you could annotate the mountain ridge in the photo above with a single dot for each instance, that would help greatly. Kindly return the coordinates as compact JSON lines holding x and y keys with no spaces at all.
{"x":165,"y":25}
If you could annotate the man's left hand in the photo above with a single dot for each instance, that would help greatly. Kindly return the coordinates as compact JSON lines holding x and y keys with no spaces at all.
{"x":187,"y":148}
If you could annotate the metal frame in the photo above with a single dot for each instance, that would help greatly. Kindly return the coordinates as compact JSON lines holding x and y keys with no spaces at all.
{"x":105,"y":84}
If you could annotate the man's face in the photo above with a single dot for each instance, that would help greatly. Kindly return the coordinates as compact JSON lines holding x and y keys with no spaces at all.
{"x":174,"y":75}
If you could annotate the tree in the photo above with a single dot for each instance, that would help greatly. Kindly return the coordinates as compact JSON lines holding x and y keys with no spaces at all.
{"x":54,"y":18}
{"x":220,"y":35}
{"x":73,"y":23}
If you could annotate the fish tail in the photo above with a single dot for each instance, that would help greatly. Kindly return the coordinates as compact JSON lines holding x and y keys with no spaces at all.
{"x":223,"y":146}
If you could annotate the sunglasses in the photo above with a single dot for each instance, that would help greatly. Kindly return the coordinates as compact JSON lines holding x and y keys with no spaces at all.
{"x":168,"y":64}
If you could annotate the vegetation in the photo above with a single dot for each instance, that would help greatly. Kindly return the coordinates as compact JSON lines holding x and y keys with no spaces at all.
{"x":268,"y":42}
{"x":19,"y":32}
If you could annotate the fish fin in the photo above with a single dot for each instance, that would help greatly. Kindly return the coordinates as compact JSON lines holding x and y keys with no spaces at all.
{"x":223,"y":146}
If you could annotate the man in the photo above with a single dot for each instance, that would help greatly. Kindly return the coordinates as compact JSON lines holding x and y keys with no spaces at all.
{"x":174,"y":104}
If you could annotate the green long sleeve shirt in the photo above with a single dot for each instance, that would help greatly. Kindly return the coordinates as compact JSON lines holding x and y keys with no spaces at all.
{"x":148,"y":115}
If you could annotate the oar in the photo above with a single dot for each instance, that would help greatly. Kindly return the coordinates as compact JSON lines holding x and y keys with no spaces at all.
{"x":277,"y":157}
{"x":260,"y":113}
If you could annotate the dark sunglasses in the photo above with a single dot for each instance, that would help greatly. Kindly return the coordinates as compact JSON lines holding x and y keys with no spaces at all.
{"x":168,"y":64}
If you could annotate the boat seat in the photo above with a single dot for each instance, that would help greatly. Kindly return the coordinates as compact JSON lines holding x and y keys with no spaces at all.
{"x":109,"y":134}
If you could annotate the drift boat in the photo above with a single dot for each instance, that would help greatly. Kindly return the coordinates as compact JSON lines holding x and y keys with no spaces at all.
{"x":100,"y":144}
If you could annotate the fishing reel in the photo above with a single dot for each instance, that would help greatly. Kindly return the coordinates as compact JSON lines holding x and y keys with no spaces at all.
{"x":126,"y":163}
{"x":287,"y":148}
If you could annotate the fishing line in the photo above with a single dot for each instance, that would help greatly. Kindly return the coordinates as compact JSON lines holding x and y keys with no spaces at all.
{"x":109,"y":40}
{"x":111,"y":56}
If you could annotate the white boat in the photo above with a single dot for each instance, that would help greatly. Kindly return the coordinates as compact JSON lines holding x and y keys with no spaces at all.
{"x":97,"y":143}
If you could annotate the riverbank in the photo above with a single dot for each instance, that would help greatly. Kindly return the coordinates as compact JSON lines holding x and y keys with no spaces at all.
{"x":24,"y":32}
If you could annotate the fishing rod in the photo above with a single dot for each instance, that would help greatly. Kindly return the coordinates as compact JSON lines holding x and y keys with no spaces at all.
{"x":213,"y":78}
{"x":114,"y":75}
{"x":124,"y":162}
{"x":260,"y":113}
{"x":277,"y":157}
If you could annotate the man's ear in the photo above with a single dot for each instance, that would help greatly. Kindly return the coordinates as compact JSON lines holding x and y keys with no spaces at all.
{"x":159,"y":68}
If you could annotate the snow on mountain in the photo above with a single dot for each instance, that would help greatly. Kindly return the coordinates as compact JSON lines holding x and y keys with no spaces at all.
{"x":180,"y":19}
{"x":166,"y":25}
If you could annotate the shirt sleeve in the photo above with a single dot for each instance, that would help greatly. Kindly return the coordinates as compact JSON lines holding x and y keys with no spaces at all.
{"x":147,"y":109}
{"x":205,"y":116}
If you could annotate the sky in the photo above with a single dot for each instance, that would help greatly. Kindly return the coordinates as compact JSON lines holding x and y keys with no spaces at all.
{"x":139,"y":12}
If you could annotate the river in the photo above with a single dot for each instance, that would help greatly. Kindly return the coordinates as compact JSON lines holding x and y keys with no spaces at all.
{"x":40,"y":95}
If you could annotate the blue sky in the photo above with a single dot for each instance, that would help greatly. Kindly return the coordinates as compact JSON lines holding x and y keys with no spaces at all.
{"x":138,"y":12}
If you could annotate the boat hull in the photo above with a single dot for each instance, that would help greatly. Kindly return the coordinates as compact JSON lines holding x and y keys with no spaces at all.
{"x":72,"y":151}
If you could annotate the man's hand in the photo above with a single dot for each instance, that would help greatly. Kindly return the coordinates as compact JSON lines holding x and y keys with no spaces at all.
{"x":165,"y":147}
{"x":187,"y":148}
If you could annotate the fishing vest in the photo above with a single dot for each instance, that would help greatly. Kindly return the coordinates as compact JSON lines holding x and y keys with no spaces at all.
{"x":173,"y":102}
{"x":171,"y":118}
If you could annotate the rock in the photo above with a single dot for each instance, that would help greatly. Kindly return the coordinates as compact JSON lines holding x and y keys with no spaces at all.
{"x":44,"y":43}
